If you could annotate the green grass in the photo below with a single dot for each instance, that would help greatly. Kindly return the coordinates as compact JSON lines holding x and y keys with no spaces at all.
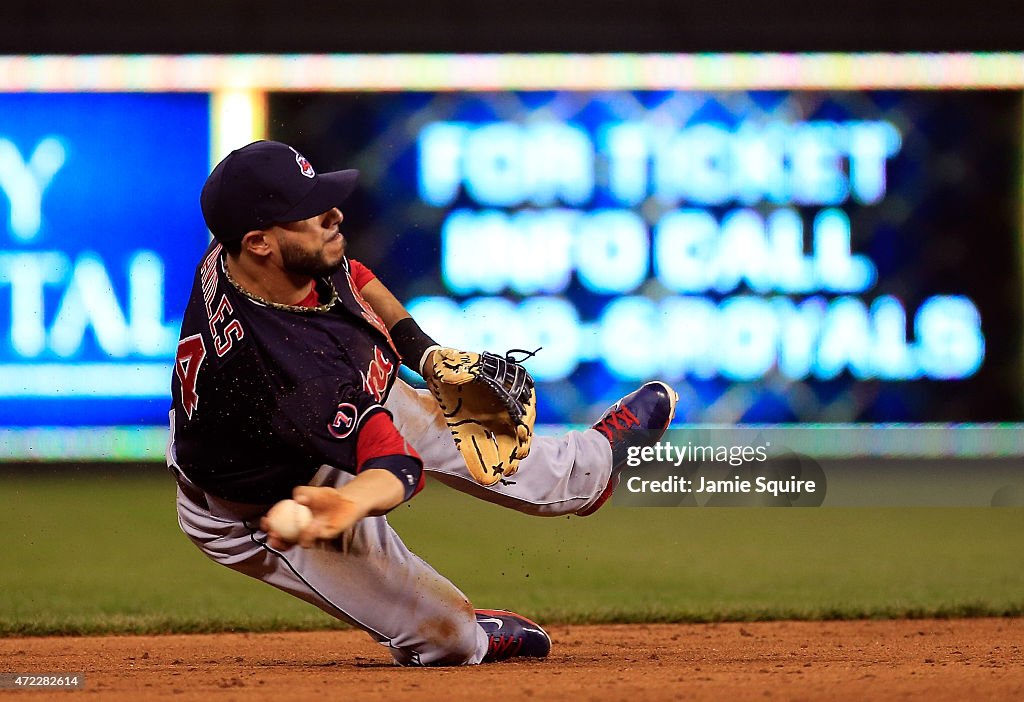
{"x":87,"y":553}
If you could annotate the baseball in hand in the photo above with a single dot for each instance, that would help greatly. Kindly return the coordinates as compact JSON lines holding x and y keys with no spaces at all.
{"x":288,"y":518}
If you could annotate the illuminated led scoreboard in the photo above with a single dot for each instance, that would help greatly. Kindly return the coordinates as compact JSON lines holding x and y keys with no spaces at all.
{"x":818,"y":241}
{"x":751,"y":244}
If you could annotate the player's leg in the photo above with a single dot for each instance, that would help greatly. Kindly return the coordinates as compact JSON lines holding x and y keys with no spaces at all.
{"x":561,"y":474}
{"x":572,"y":473}
{"x":367,"y":577}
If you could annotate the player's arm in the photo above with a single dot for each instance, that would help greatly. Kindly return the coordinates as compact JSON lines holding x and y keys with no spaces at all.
{"x":335,"y":510}
{"x":414,"y":345}
{"x":388,"y":470}
{"x":383,"y":302}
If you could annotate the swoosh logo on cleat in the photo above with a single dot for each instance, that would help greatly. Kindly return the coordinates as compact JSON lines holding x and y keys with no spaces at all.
{"x":480,"y":620}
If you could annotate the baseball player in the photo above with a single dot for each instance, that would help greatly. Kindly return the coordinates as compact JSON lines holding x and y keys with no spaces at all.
{"x":285,"y":386}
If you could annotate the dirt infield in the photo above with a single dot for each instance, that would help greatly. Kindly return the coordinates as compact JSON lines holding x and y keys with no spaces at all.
{"x":876,"y":660}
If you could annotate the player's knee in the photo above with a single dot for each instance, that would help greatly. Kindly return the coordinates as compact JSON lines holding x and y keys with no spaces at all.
{"x":463,"y":650}
{"x":448,"y":641}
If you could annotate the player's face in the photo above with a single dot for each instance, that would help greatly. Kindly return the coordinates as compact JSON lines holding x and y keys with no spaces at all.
{"x":312,"y":247}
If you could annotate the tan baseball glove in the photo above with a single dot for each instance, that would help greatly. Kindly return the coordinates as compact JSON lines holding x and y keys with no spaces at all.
{"x":490,"y":405}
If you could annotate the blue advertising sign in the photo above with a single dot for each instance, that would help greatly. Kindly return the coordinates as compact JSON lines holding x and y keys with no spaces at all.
{"x":778,"y":256}
{"x":100,"y":230}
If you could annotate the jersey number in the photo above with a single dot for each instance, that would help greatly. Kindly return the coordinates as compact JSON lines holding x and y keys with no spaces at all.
{"x":191,"y":353}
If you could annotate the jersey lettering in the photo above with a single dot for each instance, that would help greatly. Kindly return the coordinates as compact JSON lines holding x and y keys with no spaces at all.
{"x":376,"y":377}
{"x":368,"y":314}
{"x":231,"y":332}
{"x":208,"y":276}
{"x":190,"y":356}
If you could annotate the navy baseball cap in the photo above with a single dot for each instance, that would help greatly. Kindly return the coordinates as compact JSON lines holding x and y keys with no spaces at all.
{"x":267,"y":183}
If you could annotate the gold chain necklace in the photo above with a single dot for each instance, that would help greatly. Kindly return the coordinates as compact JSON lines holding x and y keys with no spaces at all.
{"x":277,"y":305}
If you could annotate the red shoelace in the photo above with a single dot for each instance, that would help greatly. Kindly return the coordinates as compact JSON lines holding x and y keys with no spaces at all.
{"x":502,"y":647}
{"x":616,"y":422}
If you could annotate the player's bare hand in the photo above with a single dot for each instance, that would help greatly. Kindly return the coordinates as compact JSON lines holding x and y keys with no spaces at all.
{"x":332,"y":513}
{"x":316,"y":513}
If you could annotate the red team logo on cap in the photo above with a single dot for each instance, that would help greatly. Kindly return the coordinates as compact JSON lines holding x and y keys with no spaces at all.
{"x":305,"y":167}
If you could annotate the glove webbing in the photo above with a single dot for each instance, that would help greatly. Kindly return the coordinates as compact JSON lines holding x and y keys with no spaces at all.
{"x":508,"y":379}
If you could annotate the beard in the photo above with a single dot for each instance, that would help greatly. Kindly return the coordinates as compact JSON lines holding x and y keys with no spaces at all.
{"x":313,"y":264}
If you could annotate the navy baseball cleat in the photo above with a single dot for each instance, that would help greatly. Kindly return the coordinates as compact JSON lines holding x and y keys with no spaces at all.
{"x":511,"y":636}
{"x":638,"y":419}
